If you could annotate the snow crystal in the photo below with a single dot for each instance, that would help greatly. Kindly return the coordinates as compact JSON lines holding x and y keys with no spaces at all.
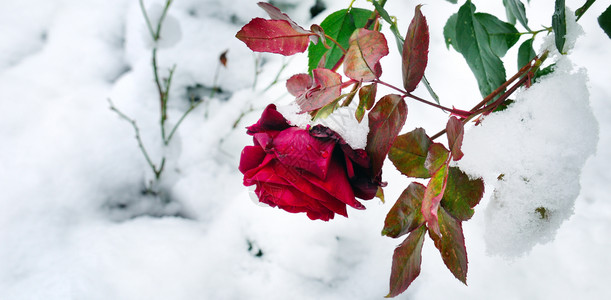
{"x":533,"y":153}
{"x":342,"y":121}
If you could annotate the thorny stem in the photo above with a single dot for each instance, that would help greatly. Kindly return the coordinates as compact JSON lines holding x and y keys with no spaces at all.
{"x":406,"y":94}
{"x":375,"y":14}
{"x":531,"y":67}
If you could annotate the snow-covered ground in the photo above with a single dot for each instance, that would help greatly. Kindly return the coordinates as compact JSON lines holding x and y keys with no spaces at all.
{"x":73,"y":221}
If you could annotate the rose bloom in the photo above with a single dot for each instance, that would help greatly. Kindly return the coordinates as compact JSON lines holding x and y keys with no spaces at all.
{"x":305,"y":170}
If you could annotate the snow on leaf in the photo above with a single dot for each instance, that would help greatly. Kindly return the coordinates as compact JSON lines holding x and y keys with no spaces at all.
{"x":326,"y":88}
{"x":415,"y":51}
{"x":432,"y":197}
{"x":408,"y":153}
{"x":406,"y":262}
{"x":367,"y":47}
{"x":298,"y":84}
{"x":367,"y":96}
{"x":455,"y":132}
{"x":405,"y":216}
{"x":451,"y":245}
{"x":386,"y":119}
{"x":274,"y":36}
{"x":461,"y":194}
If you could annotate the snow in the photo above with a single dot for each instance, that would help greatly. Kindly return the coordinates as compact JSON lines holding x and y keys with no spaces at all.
{"x":73,"y":221}
{"x":531,"y":154}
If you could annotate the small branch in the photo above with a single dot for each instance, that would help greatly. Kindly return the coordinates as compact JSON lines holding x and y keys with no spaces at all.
{"x":336,"y":43}
{"x":184,"y":115}
{"x":406,"y":94}
{"x":139,"y":140}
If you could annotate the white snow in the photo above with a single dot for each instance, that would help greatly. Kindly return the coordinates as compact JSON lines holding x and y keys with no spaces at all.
{"x":73,"y":222}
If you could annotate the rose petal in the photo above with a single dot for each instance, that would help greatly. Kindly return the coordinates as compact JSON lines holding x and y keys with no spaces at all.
{"x":296,"y":148}
{"x":270,"y":119}
{"x":252,"y":156}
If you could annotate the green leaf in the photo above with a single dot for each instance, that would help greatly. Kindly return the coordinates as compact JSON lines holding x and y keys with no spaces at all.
{"x":367,"y":96}
{"x":366,"y":49}
{"x":516,"y":9}
{"x":393,"y":24}
{"x":473,"y":41}
{"x":406,"y":262}
{"x":386,"y":119}
{"x":432,"y":197}
{"x":452,"y":1}
{"x":405,"y":215}
{"x":526,"y":53}
{"x":455,"y":132}
{"x":338,"y":25}
{"x":436,"y":157}
{"x":451,"y":245}
{"x":461,"y":194}
{"x":580,"y":11}
{"x":409,"y":151}
{"x":415,"y":51}
{"x":502,"y":35}
{"x":559,"y":25}
{"x":449,"y":32}
{"x":604,"y":20}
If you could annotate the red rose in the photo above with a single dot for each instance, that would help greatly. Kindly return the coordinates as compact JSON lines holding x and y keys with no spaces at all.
{"x":299,"y":170}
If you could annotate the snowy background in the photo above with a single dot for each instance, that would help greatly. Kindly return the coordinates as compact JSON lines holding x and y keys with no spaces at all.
{"x":75,"y":225}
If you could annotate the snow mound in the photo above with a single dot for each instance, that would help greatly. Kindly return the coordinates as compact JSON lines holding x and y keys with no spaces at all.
{"x":533,"y":153}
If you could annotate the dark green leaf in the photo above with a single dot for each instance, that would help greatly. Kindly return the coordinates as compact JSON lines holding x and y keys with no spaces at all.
{"x":367,"y":96}
{"x":452,"y":1}
{"x":503,"y":105}
{"x":580,"y":11}
{"x":473,"y":41}
{"x":526,"y":53}
{"x":449,"y":32}
{"x":432,"y":198}
{"x":436,"y":157}
{"x":338,"y":25}
{"x":386,"y":119}
{"x":405,"y":215}
{"x":559,"y":25}
{"x":604,"y":20}
{"x":516,"y":9}
{"x":409,"y":151}
{"x":451,"y":245}
{"x":502,"y":35}
{"x":415,"y":51}
{"x":406,"y":262}
{"x":461,"y":194}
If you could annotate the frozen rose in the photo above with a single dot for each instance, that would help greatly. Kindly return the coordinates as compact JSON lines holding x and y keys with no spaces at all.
{"x":305,"y":170}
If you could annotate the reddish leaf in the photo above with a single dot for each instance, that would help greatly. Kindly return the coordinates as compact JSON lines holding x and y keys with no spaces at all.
{"x":436,"y":157}
{"x":409,"y":151}
{"x":461,"y":194}
{"x":366,"y":49}
{"x":451,"y":245}
{"x":405,"y":215}
{"x":326,"y":88}
{"x":367,"y":96}
{"x":432,"y":198}
{"x":299,"y":84}
{"x":276,"y":14}
{"x":406,"y":262}
{"x":274,"y":36}
{"x":415,"y":51}
{"x":385,"y":122}
{"x":455,"y":131}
